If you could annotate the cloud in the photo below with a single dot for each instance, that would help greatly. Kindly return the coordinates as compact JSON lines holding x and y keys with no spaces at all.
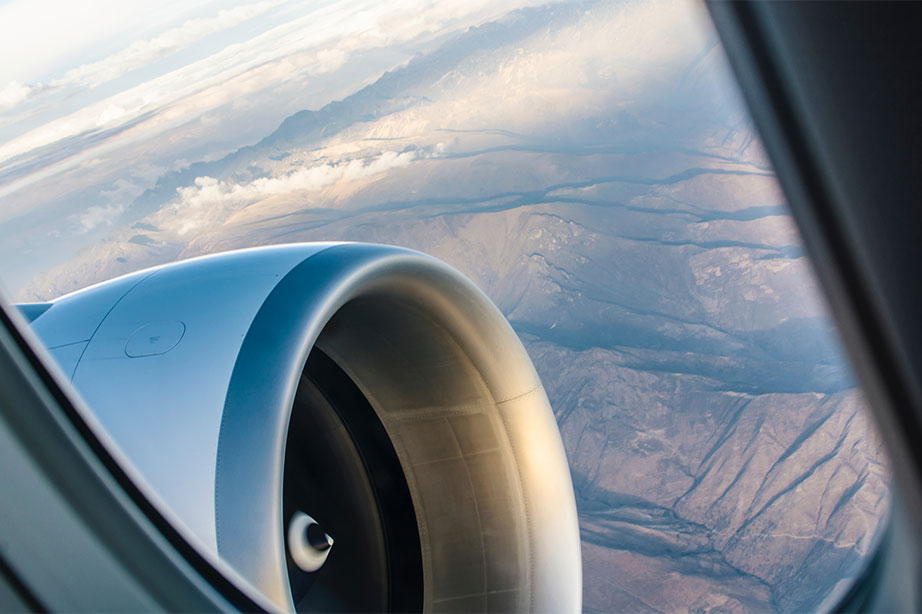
{"x":209,"y":200}
{"x":110,"y":114}
{"x":316,"y":41}
{"x":96,"y":216}
{"x":141,"y":53}
{"x":14,"y":94}
{"x":136,"y":55}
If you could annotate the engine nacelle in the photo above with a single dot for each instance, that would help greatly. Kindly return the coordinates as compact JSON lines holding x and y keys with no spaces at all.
{"x":351,"y":427}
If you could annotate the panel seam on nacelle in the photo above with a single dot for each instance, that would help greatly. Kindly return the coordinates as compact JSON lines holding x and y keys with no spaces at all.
{"x":68,"y":344}
{"x":521,"y":396}
{"x":103,"y":319}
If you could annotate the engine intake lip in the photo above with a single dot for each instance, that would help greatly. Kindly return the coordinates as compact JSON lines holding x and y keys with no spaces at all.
{"x":363,"y":304}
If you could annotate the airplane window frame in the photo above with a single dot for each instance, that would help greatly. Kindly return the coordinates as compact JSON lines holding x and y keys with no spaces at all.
{"x":60,"y":394}
{"x":801,"y":110}
{"x":38,"y":409}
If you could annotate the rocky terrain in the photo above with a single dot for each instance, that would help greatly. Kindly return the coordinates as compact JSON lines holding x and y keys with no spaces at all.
{"x":591,"y":167}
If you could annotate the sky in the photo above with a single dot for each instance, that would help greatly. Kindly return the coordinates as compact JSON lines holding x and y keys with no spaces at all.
{"x":604,"y":142}
{"x":144,"y":68}
{"x":102,"y":97}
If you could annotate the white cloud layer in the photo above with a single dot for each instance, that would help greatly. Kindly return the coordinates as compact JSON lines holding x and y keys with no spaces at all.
{"x":317,"y":40}
{"x":42,"y":39}
{"x":209,"y":201}
{"x":137,"y":55}
{"x":14,"y":94}
{"x":98,"y":215}
{"x":141,"y":53}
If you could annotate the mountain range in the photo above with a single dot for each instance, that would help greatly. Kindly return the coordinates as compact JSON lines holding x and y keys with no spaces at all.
{"x":591,"y":166}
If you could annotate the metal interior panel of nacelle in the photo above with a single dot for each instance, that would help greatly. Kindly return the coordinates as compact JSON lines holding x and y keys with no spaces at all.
{"x":371,"y":389}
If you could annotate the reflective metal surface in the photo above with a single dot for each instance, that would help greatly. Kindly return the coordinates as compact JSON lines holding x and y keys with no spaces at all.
{"x":308,"y":552}
{"x":164,"y":410}
{"x":193,"y":369}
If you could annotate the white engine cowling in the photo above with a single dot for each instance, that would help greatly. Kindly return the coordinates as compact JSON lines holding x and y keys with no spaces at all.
{"x":373,"y":390}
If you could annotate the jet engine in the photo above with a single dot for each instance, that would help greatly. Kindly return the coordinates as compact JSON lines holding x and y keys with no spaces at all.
{"x":350,"y":427}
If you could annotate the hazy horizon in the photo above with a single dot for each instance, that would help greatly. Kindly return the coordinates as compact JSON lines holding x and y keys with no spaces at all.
{"x":590,"y":165}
